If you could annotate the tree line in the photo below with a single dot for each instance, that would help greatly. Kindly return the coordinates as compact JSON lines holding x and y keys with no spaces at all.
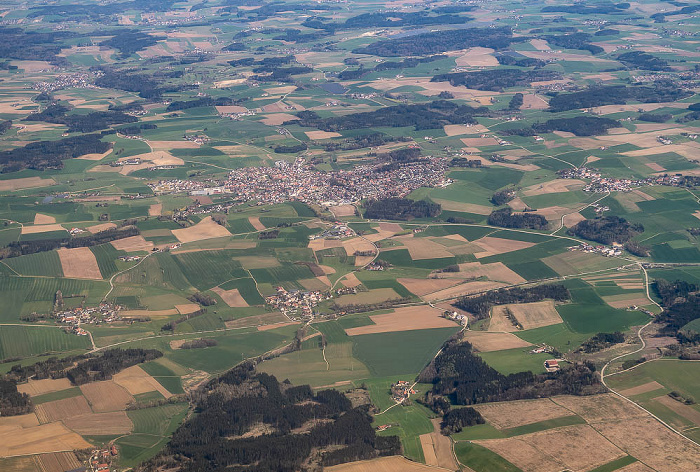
{"x":497,"y":79}
{"x":42,"y":155}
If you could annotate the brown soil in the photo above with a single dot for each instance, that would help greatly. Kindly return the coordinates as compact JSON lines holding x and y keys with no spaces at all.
{"x":257,"y":320}
{"x":53,"y":437}
{"x":106,"y":396}
{"x":486,"y":342}
{"x":232,"y":298}
{"x":505,"y":415}
{"x":255,"y":221}
{"x":403,"y":319}
{"x":205,"y":229}
{"x":41,"y":228}
{"x":133,"y":244}
{"x":61,"y":409}
{"x":79,"y":263}
{"x":40,"y":387}
{"x":116,"y":422}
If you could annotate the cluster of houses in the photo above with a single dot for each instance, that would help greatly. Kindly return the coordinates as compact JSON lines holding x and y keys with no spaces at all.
{"x":78,"y":80}
{"x":337,"y":231}
{"x":600,"y":184}
{"x":551,"y":365}
{"x":296,"y":304}
{"x":101,"y":459}
{"x":456,"y":317}
{"x":401,"y":391}
{"x":608,"y":251}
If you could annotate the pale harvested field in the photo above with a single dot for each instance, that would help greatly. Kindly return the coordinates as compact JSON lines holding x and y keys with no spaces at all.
{"x":351,"y":280}
{"x":133,"y":244}
{"x":377,"y":295}
{"x":456,"y":130}
{"x":425,"y":286}
{"x":321,"y":244}
{"x":321,"y":134}
{"x":340,"y":211}
{"x":58,"y":462}
{"x":496,"y":271}
{"x":477,"y":57}
{"x":572,"y":219}
{"x":61,"y":409}
{"x":155,"y":210}
{"x":540,"y":44}
{"x":564,"y":56}
{"x":505,"y":415}
{"x":40,"y":387}
{"x":14,"y":423}
{"x":687,"y":412}
{"x":53,"y":437}
{"x":148,"y":313}
{"x":533,"y":102}
{"x":106,"y":396}
{"x":276,"y":119}
{"x":597,"y":408}
{"x":467,"y":288}
{"x":689,"y":150}
{"x":464,"y":207}
{"x":269,"y":327}
{"x":116,"y":422}
{"x":655,"y":167}
{"x":626,"y":300}
{"x":187,"y":308}
{"x":316,"y":283}
{"x":403,"y":319}
{"x":487,"y":342}
{"x":437,"y":449}
{"x":492,"y":246}
{"x":423,"y":248}
{"x":639,"y":389}
{"x":136,"y":381}
{"x":530,"y":315}
{"x":257,"y":320}
{"x":553,"y":213}
{"x":40,"y":219}
{"x":654,"y":445}
{"x":232,"y":298}
{"x":95,"y":156}
{"x":231,"y":109}
{"x":79,"y":263}
{"x":477,"y":142}
{"x":381,"y":464}
{"x":205,"y":229}
{"x":255,"y":222}
{"x":41,"y":228}
{"x":577,"y":448}
{"x":101,"y":227}
{"x":554,"y":186}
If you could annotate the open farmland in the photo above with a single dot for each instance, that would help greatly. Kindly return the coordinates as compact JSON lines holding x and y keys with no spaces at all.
{"x":106,"y":396}
{"x":403,"y":319}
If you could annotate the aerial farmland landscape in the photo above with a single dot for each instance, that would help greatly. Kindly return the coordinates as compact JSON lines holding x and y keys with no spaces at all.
{"x":351,"y":236}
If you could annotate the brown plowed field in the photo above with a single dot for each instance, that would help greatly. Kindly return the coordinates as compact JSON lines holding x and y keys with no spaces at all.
{"x":61,"y":409}
{"x":576,"y":448}
{"x":530,"y":315}
{"x":58,"y":462}
{"x":133,"y":244}
{"x":505,"y":415}
{"x":106,"y":396}
{"x":382,"y":464}
{"x":79,"y":263}
{"x":136,"y":381}
{"x":487,"y":342}
{"x":232,"y":298}
{"x":40,"y":387}
{"x":52,"y":437}
{"x":116,"y":422}
{"x":403,"y":319}
{"x":205,"y":229}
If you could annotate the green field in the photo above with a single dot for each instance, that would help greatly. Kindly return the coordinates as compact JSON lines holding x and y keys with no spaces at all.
{"x":480,"y":459}
{"x":20,"y":341}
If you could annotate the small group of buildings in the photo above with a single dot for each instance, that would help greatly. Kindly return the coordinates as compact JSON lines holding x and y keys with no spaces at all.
{"x":101,"y":459}
{"x":456,"y":317}
{"x":401,"y":391}
{"x":296,"y":304}
{"x":608,"y":251}
{"x":337,"y":231}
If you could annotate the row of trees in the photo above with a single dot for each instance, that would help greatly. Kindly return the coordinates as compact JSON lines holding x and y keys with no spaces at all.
{"x":597,"y":96}
{"x":83,"y":123}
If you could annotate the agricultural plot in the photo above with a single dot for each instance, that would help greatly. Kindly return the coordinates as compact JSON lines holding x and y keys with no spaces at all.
{"x":527,"y":315}
{"x":20,"y":341}
{"x":403,"y":319}
{"x":106,"y":396}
